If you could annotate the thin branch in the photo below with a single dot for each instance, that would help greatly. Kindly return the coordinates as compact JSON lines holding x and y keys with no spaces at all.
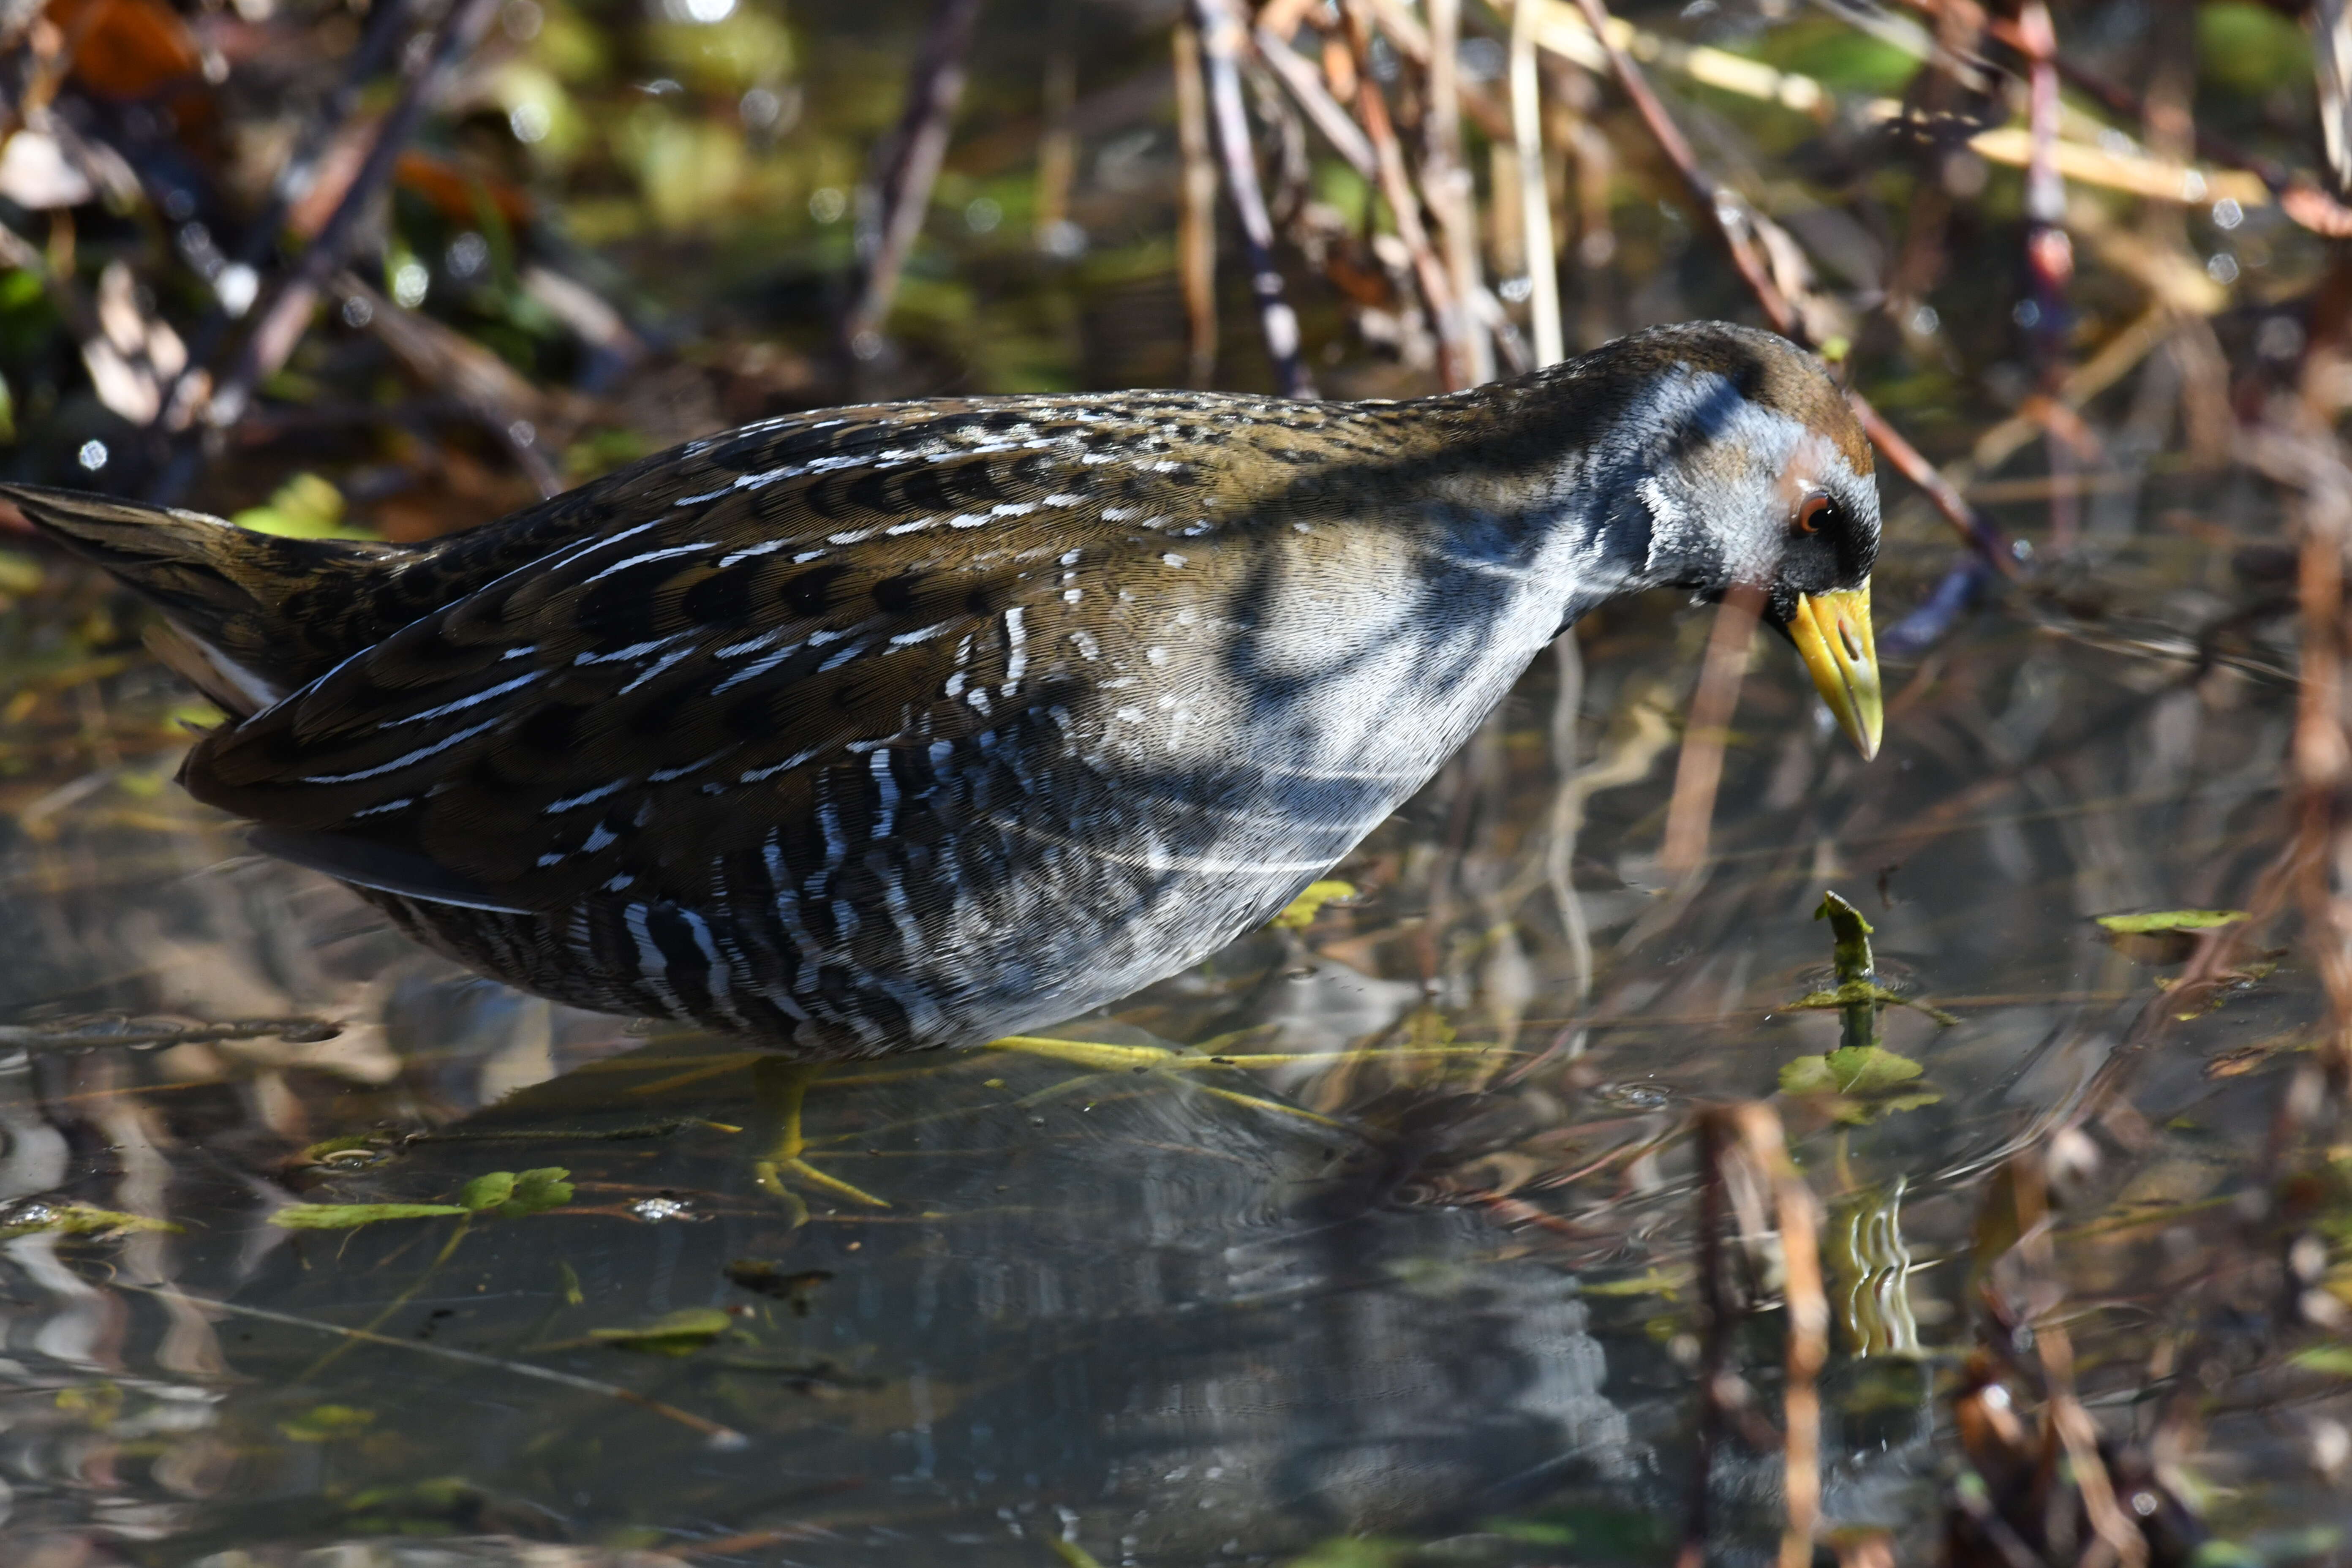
{"x":2049,"y":252}
{"x":1535,"y":196}
{"x":1412,"y":40}
{"x":1305,"y":84}
{"x":1700,"y":772}
{"x":1404,"y":203}
{"x":1446,"y":181}
{"x":386,"y":24}
{"x":1196,"y":222}
{"x":1715,"y":1343}
{"x":281,"y":323}
{"x":1723,"y":209}
{"x":1794,"y":1212}
{"x":1223,"y":38}
{"x":2298,"y":194}
{"x":892,"y":204}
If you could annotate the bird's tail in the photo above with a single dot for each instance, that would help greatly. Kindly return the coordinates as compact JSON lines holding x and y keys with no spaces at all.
{"x":252,"y":616}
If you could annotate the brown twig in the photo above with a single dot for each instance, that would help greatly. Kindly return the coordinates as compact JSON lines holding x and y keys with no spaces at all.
{"x":1452,"y":196}
{"x":2298,"y":195}
{"x":1223,"y":38}
{"x":1057,"y":143}
{"x":1541,"y":258}
{"x":518,"y":414}
{"x":2049,"y":252}
{"x":2119,"y":1539}
{"x":1715,"y":1343}
{"x":280,"y":324}
{"x":386,"y":25}
{"x":1721,"y":207}
{"x":892,"y":202}
{"x":1305,"y":84}
{"x":1412,"y":40}
{"x":1751,"y":1134}
{"x":1196,"y":220}
{"x":1699,"y":773}
{"x":1404,"y":205}
{"x":1795,"y":1213}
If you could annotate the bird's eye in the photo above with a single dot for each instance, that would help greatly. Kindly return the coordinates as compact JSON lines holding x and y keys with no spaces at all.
{"x":1811,"y":512}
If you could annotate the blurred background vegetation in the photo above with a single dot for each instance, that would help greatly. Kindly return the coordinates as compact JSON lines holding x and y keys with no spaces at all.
{"x":394,"y":268}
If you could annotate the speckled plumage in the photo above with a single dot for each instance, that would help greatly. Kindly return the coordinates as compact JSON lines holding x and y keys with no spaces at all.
{"x":911,"y":724}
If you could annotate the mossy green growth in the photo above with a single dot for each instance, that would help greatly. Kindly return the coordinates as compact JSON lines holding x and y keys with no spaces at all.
{"x":75,"y":1219}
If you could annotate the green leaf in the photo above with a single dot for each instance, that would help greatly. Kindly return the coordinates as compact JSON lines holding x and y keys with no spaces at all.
{"x":20,"y":576}
{"x":304,"y":507}
{"x":1862,"y":1113}
{"x":678,"y":1333}
{"x":1072,"y":1555}
{"x":346,"y":1216}
{"x":2170,"y":919}
{"x":1854,"y":993}
{"x":1300,"y":912}
{"x":536,"y":1191}
{"x":349,"y":1148}
{"x":74,"y":1219}
{"x":2335,"y":1360}
{"x":487,"y":1191}
{"x":1854,"y":1070}
{"x":1656,"y":1282}
{"x":512,"y":1195}
{"x":326,"y":1423}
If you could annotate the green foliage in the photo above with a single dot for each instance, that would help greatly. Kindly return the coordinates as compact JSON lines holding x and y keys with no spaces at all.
{"x":2333,"y":1360}
{"x":506,"y":1193}
{"x":1836,"y":56}
{"x":687,"y":170}
{"x":304,"y":507}
{"x":327,"y":1423}
{"x":1354,"y":1552}
{"x":1850,"y":933}
{"x":1300,"y":912}
{"x":2252,"y":48}
{"x":1856,"y":1070}
{"x":76,"y":1219}
{"x":678,"y":1334}
{"x":2170,"y":919}
{"x":512,"y":1195}
{"x":20,"y":576}
{"x":350,"y":1216}
{"x":745,"y":49}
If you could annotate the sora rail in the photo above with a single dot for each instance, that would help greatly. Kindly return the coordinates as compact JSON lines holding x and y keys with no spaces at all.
{"x":915,"y":724}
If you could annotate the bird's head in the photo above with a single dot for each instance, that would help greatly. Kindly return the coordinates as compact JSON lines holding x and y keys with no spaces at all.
{"x":1737,"y":462}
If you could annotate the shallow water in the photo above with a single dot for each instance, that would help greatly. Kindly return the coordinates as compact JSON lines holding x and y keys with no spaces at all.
{"x":1366,"y":1244}
{"x":1415,"y":1267}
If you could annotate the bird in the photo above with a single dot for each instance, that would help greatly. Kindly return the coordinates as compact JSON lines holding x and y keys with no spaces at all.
{"x":918,"y":724}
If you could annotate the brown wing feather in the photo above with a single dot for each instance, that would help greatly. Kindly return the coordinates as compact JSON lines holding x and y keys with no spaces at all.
{"x":741,"y":629}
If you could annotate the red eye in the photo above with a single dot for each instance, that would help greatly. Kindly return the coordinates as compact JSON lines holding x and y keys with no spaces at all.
{"x":1810,"y":513}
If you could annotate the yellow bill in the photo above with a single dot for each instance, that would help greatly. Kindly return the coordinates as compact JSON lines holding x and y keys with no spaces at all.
{"x":1833,"y":633}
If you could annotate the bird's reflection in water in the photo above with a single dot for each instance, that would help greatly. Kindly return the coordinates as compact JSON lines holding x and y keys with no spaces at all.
{"x":989,"y":1297}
